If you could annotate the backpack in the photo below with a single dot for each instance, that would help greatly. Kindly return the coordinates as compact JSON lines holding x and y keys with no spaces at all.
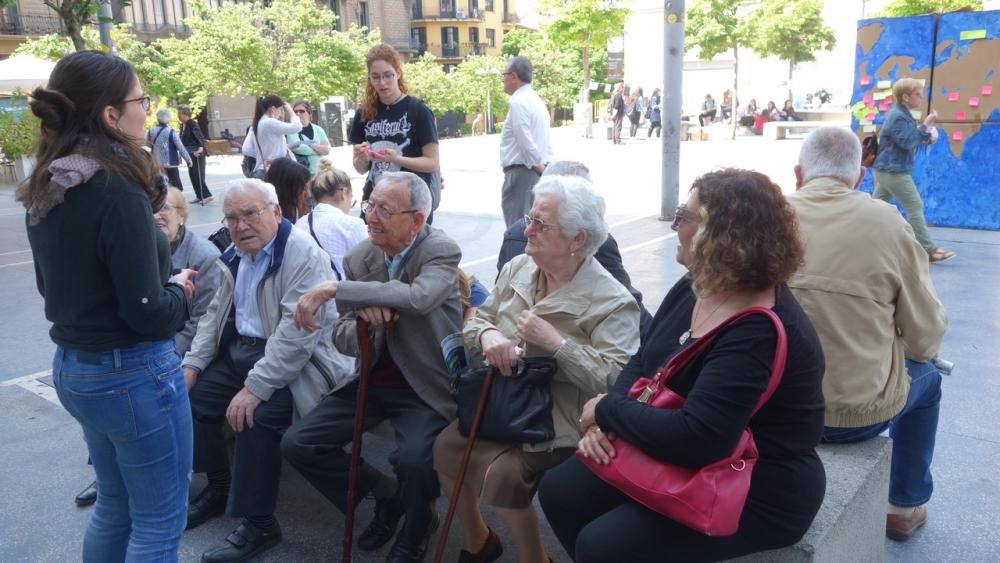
{"x":869,"y":150}
{"x":434,"y":178}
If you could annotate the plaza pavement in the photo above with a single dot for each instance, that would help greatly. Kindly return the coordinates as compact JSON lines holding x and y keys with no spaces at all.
{"x":42,"y":455}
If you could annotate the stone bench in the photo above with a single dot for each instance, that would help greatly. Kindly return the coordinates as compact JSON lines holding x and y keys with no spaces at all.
{"x":850,"y":525}
{"x":777,"y":130}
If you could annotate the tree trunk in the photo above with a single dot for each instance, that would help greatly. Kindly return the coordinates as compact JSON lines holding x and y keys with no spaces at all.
{"x":736,"y":89}
{"x":73,"y":30}
{"x":585,"y":89}
{"x":791,"y":65}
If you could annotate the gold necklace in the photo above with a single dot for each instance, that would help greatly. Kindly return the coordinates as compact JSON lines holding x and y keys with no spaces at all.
{"x":694,"y":326}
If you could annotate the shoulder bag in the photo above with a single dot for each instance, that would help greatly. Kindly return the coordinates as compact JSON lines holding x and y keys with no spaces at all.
{"x":708,"y":499}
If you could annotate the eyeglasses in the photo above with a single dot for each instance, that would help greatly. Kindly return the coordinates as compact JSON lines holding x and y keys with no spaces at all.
{"x":301,"y":111}
{"x":384,"y":77}
{"x":542,"y":226}
{"x":683,"y":214}
{"x":508,"y":73}
{"x":165,"y":208}
{"x":143,"y":101}
{"x":383,"y":212}
{"x":250,"y":217}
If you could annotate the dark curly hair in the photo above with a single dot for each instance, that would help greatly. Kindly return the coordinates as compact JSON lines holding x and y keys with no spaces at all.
{"x":749,"y":235}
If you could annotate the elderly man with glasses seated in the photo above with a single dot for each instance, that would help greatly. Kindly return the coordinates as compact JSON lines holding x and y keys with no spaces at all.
{"x":249,"y":365}
{"x":407,"y":273}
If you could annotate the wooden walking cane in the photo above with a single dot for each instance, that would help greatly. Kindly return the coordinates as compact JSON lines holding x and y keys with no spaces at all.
{"x":484,"y":395}
{"x":365,"y":345}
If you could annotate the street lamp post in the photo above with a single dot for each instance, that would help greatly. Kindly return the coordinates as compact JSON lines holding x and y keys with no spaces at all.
{"x":488,"y":72}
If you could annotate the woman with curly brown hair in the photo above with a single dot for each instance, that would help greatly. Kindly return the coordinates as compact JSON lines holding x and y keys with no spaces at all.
{"x":739,"y":240}
{"x":392,"y":130}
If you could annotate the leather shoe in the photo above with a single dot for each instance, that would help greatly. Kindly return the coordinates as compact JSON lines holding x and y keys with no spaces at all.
{"x":403,"y":551}
{"x":491,"y":551}
{"x":244,"y":543}
{"x":87,"y":496}
{"x":900,"y":528}
{"x":383,"y":525}
{"x":208,"y":504}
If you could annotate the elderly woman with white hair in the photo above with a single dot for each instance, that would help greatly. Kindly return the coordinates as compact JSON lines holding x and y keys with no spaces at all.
{"x":167,"y":148}
{"x":558,"y":301}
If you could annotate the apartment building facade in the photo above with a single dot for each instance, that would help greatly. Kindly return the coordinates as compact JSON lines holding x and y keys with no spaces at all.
{"x":452,"y":30}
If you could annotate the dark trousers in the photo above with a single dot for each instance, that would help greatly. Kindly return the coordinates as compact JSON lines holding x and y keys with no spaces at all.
{"x":315,"y":447}
{"x":196,"y":172}
{"x":654,"y":125}
{"x":257,"y":455}
{"x":707,"y":115}
{"x":173,"y":177}
{"x":616,"y":128}
{"x":633,"y":119}
{"x":595,"y":522}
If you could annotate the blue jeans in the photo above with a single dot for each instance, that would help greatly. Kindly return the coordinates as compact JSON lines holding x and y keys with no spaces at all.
{"x":913,"y":431}
{"x":133,"y":407}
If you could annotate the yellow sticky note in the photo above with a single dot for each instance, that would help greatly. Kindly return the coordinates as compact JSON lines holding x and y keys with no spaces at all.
{"x":868,"y":129}
{"x":884,"y":84}
{"x":972,"y":34}
{"x":916,"y":113}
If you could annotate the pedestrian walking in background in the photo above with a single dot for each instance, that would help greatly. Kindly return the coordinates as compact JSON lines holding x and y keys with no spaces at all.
{"x":167,"y":148}
{"x":616,"y":109}
{"x":392,"y":131}
{"x":637,"y":107}
{"x":653,"y":113}
{"x":103,"y":270}
{"x":272,"y":120}
{"x":893,"y":166}
{"x":525,"y":147}
{"x":194,"y":143}
{"x":311,"y":143}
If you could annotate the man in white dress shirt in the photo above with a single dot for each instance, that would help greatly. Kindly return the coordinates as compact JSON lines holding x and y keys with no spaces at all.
{"x":525,"y":148}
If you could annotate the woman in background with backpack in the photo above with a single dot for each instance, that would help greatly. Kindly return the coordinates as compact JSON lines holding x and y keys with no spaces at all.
{"x":392,"y":131}
{"x":637,"y":106}
{"x":653,"y":113}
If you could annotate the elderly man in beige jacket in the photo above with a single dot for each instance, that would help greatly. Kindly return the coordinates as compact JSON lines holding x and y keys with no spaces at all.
{"x":866,"y":287}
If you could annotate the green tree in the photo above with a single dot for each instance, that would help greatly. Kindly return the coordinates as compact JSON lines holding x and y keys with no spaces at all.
{"x":77,"y":16}
{"x":792,"y":30}
{"x":288,"y":47}
{"x":471,"y":81}
{"x":898,"y":8}
{"x":427,"y":79}
{"x":516,"y":40}
{"x":714,"y":27}
{"x":585,"y":25}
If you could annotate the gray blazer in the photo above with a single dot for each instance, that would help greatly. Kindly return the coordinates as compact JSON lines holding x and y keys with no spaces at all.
{"x":197,"y":253}
{"x":425,"y":295}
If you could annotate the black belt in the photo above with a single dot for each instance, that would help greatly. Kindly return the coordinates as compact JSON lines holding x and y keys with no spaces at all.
{"x":252,"y":340}
{"x":507,"y":169}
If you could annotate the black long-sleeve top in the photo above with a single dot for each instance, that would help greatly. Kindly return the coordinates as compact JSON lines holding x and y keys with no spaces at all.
{"x":721,"y":386}
{"x":191,"y":136}
{"x":102,"y":267}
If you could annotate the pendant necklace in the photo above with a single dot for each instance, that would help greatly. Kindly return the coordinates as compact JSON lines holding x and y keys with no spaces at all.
{"x":697,"y":307}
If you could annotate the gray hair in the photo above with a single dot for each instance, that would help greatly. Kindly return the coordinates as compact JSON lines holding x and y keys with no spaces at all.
{"x":831,"y":152}
{"x":163,"y":115}
{"x":582,"y":209}
{"x":420,"y":194}
{"x":253,"y":185}
{"x":520,"y":66}
{"x":568,"y":168}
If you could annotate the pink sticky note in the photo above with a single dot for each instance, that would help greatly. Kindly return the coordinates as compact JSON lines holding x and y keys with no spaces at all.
{"x":987,"y":90}
{"x":870,"y":117}
{"x":885,"y":104}
{"x":957,"y":136}
{"x":868,"y":98}
{"x":952,"y":96}
{"x":960,"y":116}
{"x":866,"y":80}
{"x":870,"y":103}
{"x":974,"y":102}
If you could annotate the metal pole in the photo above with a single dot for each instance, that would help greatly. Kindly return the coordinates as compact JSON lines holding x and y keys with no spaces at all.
{"x":673,"y":72}
{"x":489,"y":109}
{"x":105,"y":17}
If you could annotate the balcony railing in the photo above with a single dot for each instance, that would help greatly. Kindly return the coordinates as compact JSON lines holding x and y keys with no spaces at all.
{"x":16,"y":24}
{"x":512,"y":19}
{"x":456,"y":15}
{"x":151,"y":31}
{"x":454,"y":50}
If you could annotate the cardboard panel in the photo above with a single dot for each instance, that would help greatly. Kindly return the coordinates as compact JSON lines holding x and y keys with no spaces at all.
{"x":888,"y":49}
{"x":966,"y":85}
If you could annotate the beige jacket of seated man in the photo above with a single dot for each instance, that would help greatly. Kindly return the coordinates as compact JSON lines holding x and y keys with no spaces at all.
{"x":866,"y":287}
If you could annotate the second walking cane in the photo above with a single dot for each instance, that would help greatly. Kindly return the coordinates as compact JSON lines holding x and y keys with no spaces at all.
{"x":365,"y":346}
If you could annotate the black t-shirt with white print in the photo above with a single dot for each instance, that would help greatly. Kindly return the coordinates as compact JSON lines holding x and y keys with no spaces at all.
{"x":391,"y":129}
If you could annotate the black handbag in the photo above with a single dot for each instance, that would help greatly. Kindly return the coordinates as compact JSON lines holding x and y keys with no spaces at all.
{"x":519,"y":409}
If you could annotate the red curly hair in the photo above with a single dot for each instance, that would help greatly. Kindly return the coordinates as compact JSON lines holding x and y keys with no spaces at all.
{"x":380,"y":52}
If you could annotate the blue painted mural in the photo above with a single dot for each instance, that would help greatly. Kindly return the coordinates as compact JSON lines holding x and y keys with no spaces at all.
{"x":958,"y":57}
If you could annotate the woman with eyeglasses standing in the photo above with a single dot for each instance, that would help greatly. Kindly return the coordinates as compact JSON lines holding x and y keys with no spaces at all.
{"x":392,"y":131}
{"x":311,"y":143}
{"x":103,"y":269}
{"x":330,"y":222}
{"x":273,"y":119}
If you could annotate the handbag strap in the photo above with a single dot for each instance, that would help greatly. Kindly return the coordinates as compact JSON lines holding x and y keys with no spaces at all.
{"x":316,"y":238}
{"x":681,"y":359}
